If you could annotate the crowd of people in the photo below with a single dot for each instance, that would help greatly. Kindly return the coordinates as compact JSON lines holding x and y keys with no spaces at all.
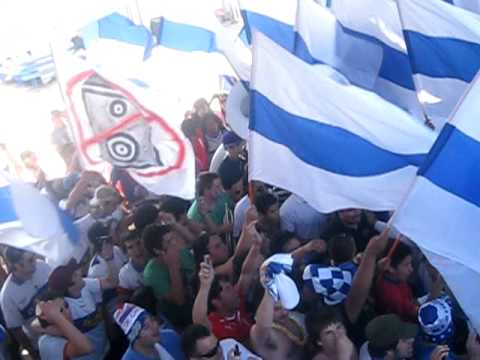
{"x":244,"y":271}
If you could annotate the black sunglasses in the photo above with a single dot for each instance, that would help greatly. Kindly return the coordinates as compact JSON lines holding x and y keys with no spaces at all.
{"x":212,"y":352}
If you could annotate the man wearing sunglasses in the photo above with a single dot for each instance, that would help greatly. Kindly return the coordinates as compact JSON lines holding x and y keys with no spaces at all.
{"x":198,"y":343}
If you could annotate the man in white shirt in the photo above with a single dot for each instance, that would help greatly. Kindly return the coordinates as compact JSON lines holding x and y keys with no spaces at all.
{"x":298,"y":217}
{"x":26,"y":282}
{"x":199,"y":343}
{"x":130,"y":277}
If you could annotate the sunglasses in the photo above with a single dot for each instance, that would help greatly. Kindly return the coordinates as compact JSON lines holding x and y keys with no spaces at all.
{"x":211,"y":353}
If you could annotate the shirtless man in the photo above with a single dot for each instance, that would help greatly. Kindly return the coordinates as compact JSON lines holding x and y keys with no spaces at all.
{"x":278,"y":334}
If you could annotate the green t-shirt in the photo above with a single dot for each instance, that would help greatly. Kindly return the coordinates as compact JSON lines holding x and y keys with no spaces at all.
{"x":223,"y":204}
{"x":156,"y":275}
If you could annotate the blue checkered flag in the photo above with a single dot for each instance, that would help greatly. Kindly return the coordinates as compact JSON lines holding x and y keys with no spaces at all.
{"x":331,"y":282}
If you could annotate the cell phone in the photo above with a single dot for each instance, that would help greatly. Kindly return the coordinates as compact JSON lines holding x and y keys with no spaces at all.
{"x":207,"y":259}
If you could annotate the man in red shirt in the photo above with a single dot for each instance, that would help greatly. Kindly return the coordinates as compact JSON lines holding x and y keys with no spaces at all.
{"x":221,"y":306}
{"x":393,"y":293}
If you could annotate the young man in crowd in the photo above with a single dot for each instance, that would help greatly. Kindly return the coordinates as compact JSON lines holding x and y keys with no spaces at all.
{"x":24,"y":285}
{"x":60,"y":339}
{"x":268,"y":215}
{"x":327,"y":336}
{"x":147,"y":341}
{"x":220,"y":305}
{"x":212,"y":205}
{"x":169,"y":272}
{"x":389,"y":338}
{"x":84,"y":299}
{"x":243,"y":206}
{"x":130,"y":277}
{"x":342,"y":251}
{"x":235,"y":161}
{"x":199,"y":343}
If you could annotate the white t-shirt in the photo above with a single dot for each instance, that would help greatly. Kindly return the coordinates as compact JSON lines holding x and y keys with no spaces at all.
{"x":18,"y":301}
{"x":99,"y":270}
{"x":130,"y":278}
{"x":239,"y":215}
{"x":86,"y":316}
{"x":298,"y":217}
{"x":228,"y":344}
{"x":51,"y":347}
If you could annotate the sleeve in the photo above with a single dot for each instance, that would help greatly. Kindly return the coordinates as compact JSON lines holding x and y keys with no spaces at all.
{"x":193,"y":213}
{"x":11,"y":313}
{"x":94,"y":288}
{"x":156,"y":281}
{"x":95,"y":272}
{"x":51,"y":347}
{"x":238,"y":221}
{"x":123,"y":280}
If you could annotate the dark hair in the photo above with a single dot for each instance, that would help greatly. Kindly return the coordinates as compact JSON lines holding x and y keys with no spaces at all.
{"x":130,"y":236}
{"x":12,"y":256}
{"x":175,"y":206}
{"x":153,"y":236}
{"x":145,"y":298}
{"x":459,"y":341}
{"x":264,"y":201}
{"x":144,"y":215}
{"x":190,"y":336}
{"x":97,"y":234}
{"x":276,"y":246}
{"x":205,"y":181}
{"x":400,"y":253}
{"x":216,"y":289}
{"x":200,"y":247}
{"x":380,"y":352}
{"x":341,"y":248}
{"x":232,"y":177}
{"x":318,"y":320}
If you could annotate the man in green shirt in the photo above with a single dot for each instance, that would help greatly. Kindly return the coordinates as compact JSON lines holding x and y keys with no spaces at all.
{"x":169,"y":272}
{"x":212,"y":207}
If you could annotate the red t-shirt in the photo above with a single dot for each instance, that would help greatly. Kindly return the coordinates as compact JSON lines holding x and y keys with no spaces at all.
{"x":395,"y":297}
{"x":236,"y":327}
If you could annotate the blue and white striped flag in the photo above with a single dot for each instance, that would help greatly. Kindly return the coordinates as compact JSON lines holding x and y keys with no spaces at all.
{"x":366,"y":38}
{"x":30,"y":221}
{"x":444,"y":47}
{"x":332,"y":143}
{"x":441,"y":213}
{"x":274,"y":18}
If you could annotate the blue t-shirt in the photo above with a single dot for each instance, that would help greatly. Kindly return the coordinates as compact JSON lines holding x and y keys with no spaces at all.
{"x":170,"y":341}
{"x":133,"y":355}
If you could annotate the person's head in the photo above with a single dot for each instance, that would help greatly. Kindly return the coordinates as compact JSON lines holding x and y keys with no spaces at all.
{"x":222,"y":296}
{"x":66,"y":280}
{"x":341,"y":248}
{"x":436,"y":321}
{"x":140,"y":328}
{"x":29,"y":159}
{"x":267,"y":207}
{"x":158,"y":238}
{"x":58,"y":118}
{"x":323,"y":327}
{"x":59,"y":302}
{"x":177,"y":207}
{"x":92,"y":181}
{"x":390,"y":337}
{"x":105,"y":201}
{"x":100,"y":236}
{"x":198,"y":343}
{"x":233,"y":144}
{"x":144,"y":215}
{"x":201,"y":107}
{"x":401,"y":263}
{"x":21,"y":264}
{"x":285,"y":242}
{"x":134,"y":248}
{"x":212,"y":124}
{"x":209,"y":185}
{"x":350,"y":217}
{"x":233,"y":183}
{"x":212,"y":245}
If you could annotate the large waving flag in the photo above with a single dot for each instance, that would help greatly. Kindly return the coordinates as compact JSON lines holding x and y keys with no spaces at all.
{"x":274,"y":18}
{"x":122,"y":115}
{"x":444,"y":47}
{"x":30,"y":221}
{"x":337,"y":145}
{"x":442,"y":210}
{"x":364,"y":41}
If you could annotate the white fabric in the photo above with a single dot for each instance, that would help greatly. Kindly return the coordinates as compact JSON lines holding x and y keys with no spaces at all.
{"x":239,"y":215}
{"x":217,"y":158}
{"x":51,"y":347}
{"x":358,"y":111}
{"x":279,"y":10}
{"x":16,"y":297}
{"x":228,"y":344}
{"x":129,"y":278}
{"x":298,"y":217}
{"x":363,"y":354}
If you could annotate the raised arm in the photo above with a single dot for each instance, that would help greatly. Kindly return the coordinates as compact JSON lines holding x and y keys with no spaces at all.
{"x":200,"y":306}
